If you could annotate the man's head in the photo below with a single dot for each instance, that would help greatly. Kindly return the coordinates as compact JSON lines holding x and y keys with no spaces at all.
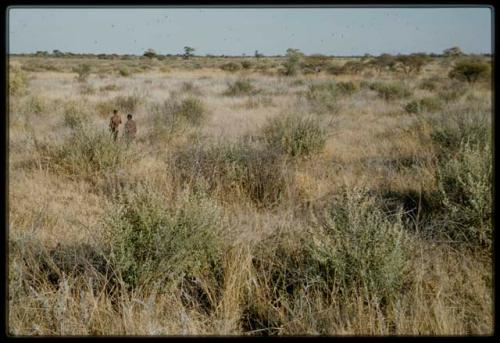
{"x":115,"y":112}
{"x":129,"y":116}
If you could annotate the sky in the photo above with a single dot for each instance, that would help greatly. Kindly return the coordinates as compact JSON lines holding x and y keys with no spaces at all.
{"x":238,"y":31}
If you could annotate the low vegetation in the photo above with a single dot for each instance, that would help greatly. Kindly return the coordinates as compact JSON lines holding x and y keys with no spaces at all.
{"x":294,"y":195}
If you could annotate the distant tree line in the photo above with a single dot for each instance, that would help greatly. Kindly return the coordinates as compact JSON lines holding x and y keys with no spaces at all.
{"x":382,"y":61}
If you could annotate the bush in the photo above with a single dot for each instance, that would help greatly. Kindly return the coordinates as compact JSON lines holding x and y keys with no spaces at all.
{"x":124,"y":72}
{"x":362,"y":249}
{"x":453,"y":91}
{"x":174,"y":112}
{"x":87,"y":153}
{"x":295,"y":135}
{"x":241,"y":87}
{"x":428,"y":84}
{"x":127,"y":103}
{"x":470,"y":71}
{"x":352,"y":248}
{"x":429,"y":104}
{"x":18,"y":81}
{"x":165,"y":69}
{"x":74,"y":115}
{"x":390,"y":91}
{"x":292,"y":64}
{"x":152,"y":242}
{"x":464,"y":184}
{"x":452,"y":128}
{"x":335,"y":69}
{"x":347,"y":88}
{"x":323,"y":97}
{"x":191,"y":109}
{"x":239,"y":169}
{"x":231,"y":67}
{"x":83,"y":72}
{"x":246,"y":64}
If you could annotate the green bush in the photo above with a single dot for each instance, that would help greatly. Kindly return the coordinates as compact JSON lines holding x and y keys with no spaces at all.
{"x":465,"y":188}
{"x":429,"y":104}
{"x":124,"y":72}
{"x":390,"y":91}
{"x":151,"y":241}
{"x":241,"y":87}
{"x":451,"y":128}
{"x":173,"y":113}
{"x":351,"y":248}
{"x":361,"y":248}
{"x":470,"y":70}
{"x":295,"y":135}
{"x":292,"y":63}
{"x":191,"y":109}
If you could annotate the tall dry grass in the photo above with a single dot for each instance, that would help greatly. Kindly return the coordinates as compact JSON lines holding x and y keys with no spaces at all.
{"x":249,"y":203}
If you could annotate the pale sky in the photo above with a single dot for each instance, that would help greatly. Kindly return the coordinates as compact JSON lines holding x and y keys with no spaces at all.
{"x":237,"y":31}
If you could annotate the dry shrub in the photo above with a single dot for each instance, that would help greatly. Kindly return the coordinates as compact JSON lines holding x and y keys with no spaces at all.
{"x":241,"y":87}
{"x":323,"y":97}
{"x":18,"y":81}
{"x":238,"y":169}
{"x":295,"y":135}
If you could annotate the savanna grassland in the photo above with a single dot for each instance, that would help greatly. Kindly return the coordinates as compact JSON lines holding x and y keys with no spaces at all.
{"x":262,"y":196}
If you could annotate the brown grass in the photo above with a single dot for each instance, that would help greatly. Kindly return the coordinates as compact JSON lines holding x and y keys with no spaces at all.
{"x":278,"y":271}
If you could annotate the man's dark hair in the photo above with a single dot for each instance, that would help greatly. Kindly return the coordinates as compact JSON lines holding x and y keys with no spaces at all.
{"x":115,"y":111}
{"x":129,"y":116}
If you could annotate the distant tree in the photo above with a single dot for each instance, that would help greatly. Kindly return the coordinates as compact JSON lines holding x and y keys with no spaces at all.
{"x":383,"y":62}
{"x":470,"y":70}
{"x":453,"y":52}
{"x":188,"y":52}
{"x":413,"y":63}
{"x":57,"y":53}
{"x":150,"y":53}
{"x":42,"y":53}
{"x":258,"y":54}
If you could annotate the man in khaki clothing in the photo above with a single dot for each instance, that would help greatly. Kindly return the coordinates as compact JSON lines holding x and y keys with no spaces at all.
{"x":130,"y":129}
{"x":114,"y":123}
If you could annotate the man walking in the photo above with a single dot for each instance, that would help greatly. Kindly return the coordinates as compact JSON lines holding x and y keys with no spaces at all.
{"x":130,"y":129}
{"x":114,"y":123}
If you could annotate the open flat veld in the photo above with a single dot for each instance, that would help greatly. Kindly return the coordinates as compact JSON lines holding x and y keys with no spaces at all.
{"x":262,"y":196}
